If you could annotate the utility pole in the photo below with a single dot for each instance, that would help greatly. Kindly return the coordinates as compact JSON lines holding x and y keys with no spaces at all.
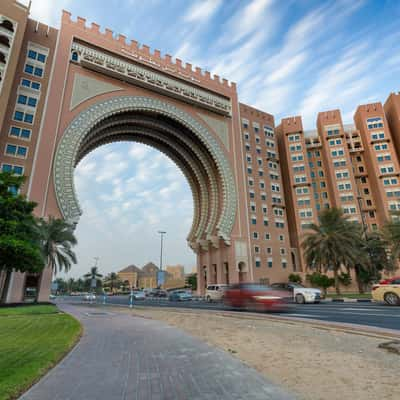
{"x":162,"y":233}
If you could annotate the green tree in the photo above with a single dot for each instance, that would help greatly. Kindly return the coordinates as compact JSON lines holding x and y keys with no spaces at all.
{"x":375,"y":247}
{"x":62,"y":285}
{"x":295,"y":278}
{"x":57,"y":239}
{"x":321,"y":281}
{"x":112,"y":281}
{"x":334,"y":244}
{"x":19,"y":245}
{"x":191,"y":281}
{"x":93,"y":274}
{"x":391,"y":233}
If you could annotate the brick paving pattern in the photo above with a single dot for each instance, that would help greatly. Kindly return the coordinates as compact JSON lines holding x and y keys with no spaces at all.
{"x":121,"y":357}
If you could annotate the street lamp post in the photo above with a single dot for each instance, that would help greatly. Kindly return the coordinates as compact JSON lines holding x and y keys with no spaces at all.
{"x":162,"y":233}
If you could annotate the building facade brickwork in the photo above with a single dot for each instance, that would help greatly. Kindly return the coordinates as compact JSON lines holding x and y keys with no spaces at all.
{"x":256,"y":186}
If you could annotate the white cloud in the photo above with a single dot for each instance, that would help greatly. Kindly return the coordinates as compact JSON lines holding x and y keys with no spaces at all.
{"x":249,"y":19}
{"x":202,"y":10}
{"x":48,"y":11}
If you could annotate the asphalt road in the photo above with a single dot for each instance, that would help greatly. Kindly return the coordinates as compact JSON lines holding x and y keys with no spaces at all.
{"x":370,"y":314}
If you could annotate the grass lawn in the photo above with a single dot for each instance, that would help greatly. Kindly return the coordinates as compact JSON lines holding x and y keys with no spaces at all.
{"x":349,"y":296}
{"x":32,"y":339}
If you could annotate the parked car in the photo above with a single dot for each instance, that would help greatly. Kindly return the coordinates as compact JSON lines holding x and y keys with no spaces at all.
{"x":300,"y":293}
{"x":52,"y":297}
{"x":158,"y":293}
{"x":89,"y":297}
{"x":388,"y":291}
{"x":256,"y":297}
{"x":215,"y":292}
{"x":179,"y":295}
{"x":138,"y":295}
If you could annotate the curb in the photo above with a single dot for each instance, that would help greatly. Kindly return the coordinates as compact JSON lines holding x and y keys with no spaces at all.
{"x":347,"y":300}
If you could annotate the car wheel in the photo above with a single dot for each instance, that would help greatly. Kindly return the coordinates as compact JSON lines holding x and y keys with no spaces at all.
{"x":300,"y":298}
{"x":392,"y":299}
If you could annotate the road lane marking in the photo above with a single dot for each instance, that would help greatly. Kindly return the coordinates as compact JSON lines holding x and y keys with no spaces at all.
{"x":303,"y":315}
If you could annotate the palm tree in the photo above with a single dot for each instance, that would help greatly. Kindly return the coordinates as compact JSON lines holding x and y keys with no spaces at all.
{"x":93,"y":274}
{"x":391,"y":232}
{"x":57,"y":239}
{"x":335,"y":243}
{"x":112,"y":281}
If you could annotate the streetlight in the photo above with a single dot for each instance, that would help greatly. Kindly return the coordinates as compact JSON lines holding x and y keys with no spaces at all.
{"x":162,"y":233}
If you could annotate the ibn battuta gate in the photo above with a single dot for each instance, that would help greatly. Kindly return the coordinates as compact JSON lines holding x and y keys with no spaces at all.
{"x":104,"y":90}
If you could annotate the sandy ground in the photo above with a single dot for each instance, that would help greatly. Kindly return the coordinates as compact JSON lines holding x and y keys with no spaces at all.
{"x":315,"y":364}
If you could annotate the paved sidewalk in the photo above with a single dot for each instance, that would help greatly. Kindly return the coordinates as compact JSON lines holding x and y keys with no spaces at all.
{"x":123,"y":357}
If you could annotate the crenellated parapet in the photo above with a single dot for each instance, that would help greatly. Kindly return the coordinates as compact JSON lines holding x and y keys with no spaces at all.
{"x":154,"y":59}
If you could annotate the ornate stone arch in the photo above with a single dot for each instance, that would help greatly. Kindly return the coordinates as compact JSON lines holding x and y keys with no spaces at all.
{"x":81,"y":126}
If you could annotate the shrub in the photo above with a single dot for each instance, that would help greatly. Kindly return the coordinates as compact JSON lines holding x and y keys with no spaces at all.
{"x":295,"y":278}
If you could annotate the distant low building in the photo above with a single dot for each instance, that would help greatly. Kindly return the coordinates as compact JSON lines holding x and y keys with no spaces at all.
{"x":130,"y":274}
{"x":148,"y":276}
{"x":176,"y":272}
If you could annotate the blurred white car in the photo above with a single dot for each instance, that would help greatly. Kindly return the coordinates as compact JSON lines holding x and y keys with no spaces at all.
{"x":301,"y":294}
{"x":90,"y":297}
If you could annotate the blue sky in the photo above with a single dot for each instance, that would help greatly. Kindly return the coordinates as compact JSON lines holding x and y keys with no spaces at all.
{"x":287,"y":57}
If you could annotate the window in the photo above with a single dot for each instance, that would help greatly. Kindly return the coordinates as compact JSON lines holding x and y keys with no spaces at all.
{"x":297,"y":157}
{"x":275,"y":187}
{"x":300,"y":178}
{"x":282,"y":238}
{"x":267,"y":236}
{"x":251,"y":181}
{"x":20,"y":132}
{"x":245,"y":123}
{"x":296,"y":147}
{"x":282,"y":251}
{"x":262,"y":185}
{"x":373,"y":123}
{"x":15,"y":169}
{"x":23,"y":116}
{"x":306,"y":213}
{"x":249,"y":170}
{"x":337,"y":153}
{"x":377,"y":135}
{"x":246,"y":136}
{"x":35,"y":55}
{"x":25,"y":100}
{"x":299,"y":168}
{"x":302,"y":190}
{"x":278,"y":212}
{"x":269,"y":262}
{"x":344,"y":186}
{"x":284,"y":263}
{"x":32,"y":70}
{"x":268,"y":131}
{"x":251,"y":193}
{"x":303,"y":202}
{"x":258,"y":263}
{"x":294,"y":138}
{"x":263,"y":196}
{"x":265,"y":221}
{"x":16,"y":151}
{"x":387,"y":169}
{"x":269,"y":250}
{"x":253,"y":220}
{"x":255,"y":235}
{"x":256,"y":249}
